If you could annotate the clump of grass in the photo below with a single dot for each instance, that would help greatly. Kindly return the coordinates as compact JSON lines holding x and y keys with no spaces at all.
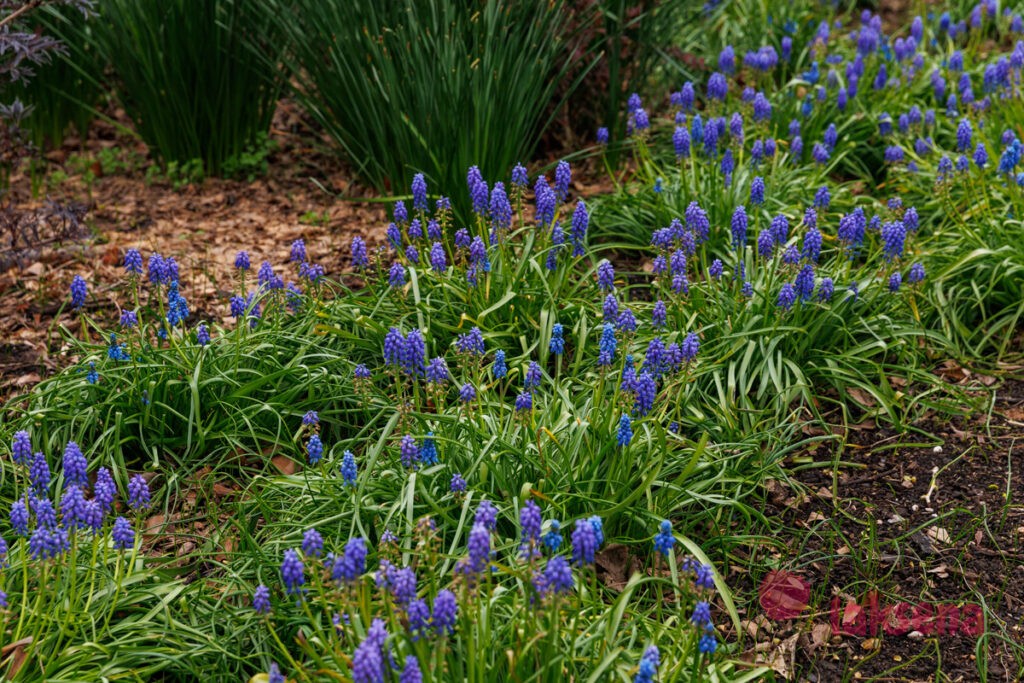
{"x":405,"y":85}
{"x":504,"y":354}
{"x":193,"y":78}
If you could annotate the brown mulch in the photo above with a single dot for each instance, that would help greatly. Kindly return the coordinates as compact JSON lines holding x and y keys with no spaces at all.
{"x":201,"y":225}
{"x":925,"y":520}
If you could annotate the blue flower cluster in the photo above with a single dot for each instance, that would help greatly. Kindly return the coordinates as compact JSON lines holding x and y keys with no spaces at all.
{"x":34,"y":516}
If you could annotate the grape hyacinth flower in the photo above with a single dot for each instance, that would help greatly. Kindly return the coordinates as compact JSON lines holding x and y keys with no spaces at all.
{"x":438,"y":259}
{"x":716,"y":269}
{"x":75,"y":466}
{"x":237,"y":306}
{"x":292,"y":572}
{"x":648,"y":667}
{"x":701,"y":616}
{"x":394,"y":236}
{"x":563,"y":178}
{"x":739,"y":227}
{"x":500,"y":208}
{"x":895,"y":280}
{"x":964,"y":134}
{"x":524,"y":402}
{"x":916,"y":273}
{"x":298,"y":251}
{"x":19,"y":517}
{"x":444,"y":613}
{"x":437,"y":371}
{"x":756,"y":153}
{"x":419,"y":192}
{"x":556,"y":579}
{"x":157,"y":270}
{"x":664,"y":539}
{"x":625,"y":433}
{"x":413,"y":353}
{"x":367,"y":663}
{"x":428,"y":451}
{"x":499,"y":368}
{"x":129,"y":319}
{"x":796,"y":148}
{"x":787,"y":297}
{"x":727,"y":167}
{"x":348,"y":469}
{"x":552,"y":540}
{"x":457,"y":485}
{"x":893,"y":236}
{"x":472,"y":343}
{"x":411,"y":673}
{"x":133,"y":262}
{"x":690,"y":347}
{"x":602,"y":136}
{"x":804,"y":283}
{"x":757,"y":191}
{"x":314,"y":449}
{"x":980,"y":155}
{"x":708,"y":643}
{"x":681,"y":142}
{"x":659,"y":315}
{"x":545,"y":202}
{"x":626,"y":321}
{"x":580,"y":223}
{"x":812,"y":245}
{"x":557,"y":343}
{"x":351,"y":564}
{"x":261,"y":600}
{"x":533,"y":376}
{"x":138,"y":493}
{"x":467,"y":393}
{"x":711,"y":138}
{"x":605,"y":276}
{"x":610,"y":308}
{"x":645,"y":394}
{"x":394,"y":344}
{"x":762,"y":108}
{"x":202,"y":335}
{"x":765,"y":243}
{"x":21,"y":448}
{"x":697,"y":221}
{"x":104,"y":489}
{"x":641,"y":121}
{"x":584,"y":543}
{"x":360,"y":258}
{"x":822,"y":198}
{"x":400,"y":213}
{"x":409,"y":452}
{"x":177,"y":307}
{"x":122,"y":534}
{"x":717,"y":87}
{"x":825,"y":289}
{"x":79,"y":292}
{"x":530,"y":529}
{"x":312,"y":543}
{"x":479,"y":551}
{"x":820,"y":153}
{"x":607,"y":346}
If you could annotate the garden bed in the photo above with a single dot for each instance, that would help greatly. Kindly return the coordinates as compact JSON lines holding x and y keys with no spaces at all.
{"x":733,"y":392}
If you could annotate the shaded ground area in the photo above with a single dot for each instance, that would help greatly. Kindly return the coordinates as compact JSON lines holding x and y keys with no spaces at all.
{"x":201,"y":225}
{"x":912,"y":527}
